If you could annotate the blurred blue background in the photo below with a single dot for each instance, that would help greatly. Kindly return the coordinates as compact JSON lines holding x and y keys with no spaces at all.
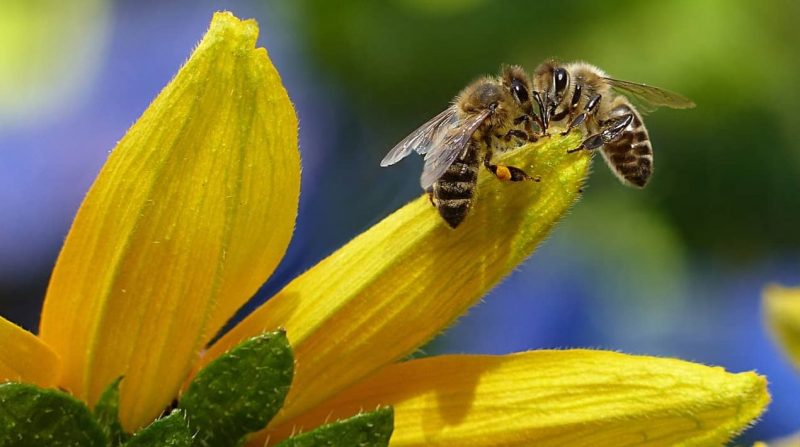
{"x":674,"y":270}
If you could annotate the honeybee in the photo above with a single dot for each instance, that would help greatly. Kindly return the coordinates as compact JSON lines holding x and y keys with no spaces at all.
{"x":491,"y":114}
{"x":580,"y":94}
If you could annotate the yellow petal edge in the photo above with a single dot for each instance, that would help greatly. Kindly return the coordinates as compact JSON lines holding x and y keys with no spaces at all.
{"x":25,"y":358}
{"x":551,"y":398}
{"x":401,"y":282}
{"x":782,"y":313}
{"x":188,"y":217}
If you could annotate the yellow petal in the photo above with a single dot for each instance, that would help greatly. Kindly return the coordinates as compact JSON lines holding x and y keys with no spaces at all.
{"x":401,"y":282}
{"x":792,"y":440}
{"x":190,"y":214}
{"x":25,"y":358}
{"x":782,"y":312}
{"x":552,"y":398}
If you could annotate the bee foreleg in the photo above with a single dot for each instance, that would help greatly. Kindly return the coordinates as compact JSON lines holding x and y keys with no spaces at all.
{"x":521,"y":134}
{"x":430,"y":196}
{"x":528,"y":120}
{"x":506,"y":173}
{"x":542,"y":119}
{"x":522,"y":119}
{"x":610,"y":131}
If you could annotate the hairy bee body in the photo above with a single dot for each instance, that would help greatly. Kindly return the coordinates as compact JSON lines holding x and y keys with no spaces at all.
{"x":631,"y":155}
{"x":581,"y":95}
{"x":452,"y":194}
{"x":490,"y":115}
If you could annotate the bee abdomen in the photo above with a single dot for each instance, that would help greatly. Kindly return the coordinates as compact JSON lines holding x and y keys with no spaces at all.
{"x":631,"y":155}
{"x":454,"y":190}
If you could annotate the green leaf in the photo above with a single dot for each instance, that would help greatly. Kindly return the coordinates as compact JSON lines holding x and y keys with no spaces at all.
{"x":364,"y":430}
{"x":33,"y":416}
{"x":106,"y":411}
{"x":170,"y":431}
{"x":240,"y":391}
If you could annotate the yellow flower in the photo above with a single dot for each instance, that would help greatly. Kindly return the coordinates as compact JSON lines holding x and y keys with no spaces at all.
{"x":782,"y":313}
{"x":194,"y":209}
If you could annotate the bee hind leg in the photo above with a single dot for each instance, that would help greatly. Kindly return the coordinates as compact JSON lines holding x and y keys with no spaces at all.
{"x":506,"y":173}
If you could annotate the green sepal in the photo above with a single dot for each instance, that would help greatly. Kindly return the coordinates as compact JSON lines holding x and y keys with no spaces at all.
{"x":239,"y":392}
{"x":106,"y":411}
{"x":33,"y":416}
{"x":365,"y":430}
{"x":169,"y":431}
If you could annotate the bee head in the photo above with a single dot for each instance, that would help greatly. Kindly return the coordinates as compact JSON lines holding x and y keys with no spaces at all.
{"x":551,"y":80}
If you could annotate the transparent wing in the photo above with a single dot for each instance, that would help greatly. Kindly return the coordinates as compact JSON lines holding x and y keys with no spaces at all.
{"x":420,"y":140}
{"x":447,"y":147}
{"x":649,"y":97}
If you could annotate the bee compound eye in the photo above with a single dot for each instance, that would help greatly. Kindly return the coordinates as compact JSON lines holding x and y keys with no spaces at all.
{"x":520,"y":92}
{"x":560,"y":77}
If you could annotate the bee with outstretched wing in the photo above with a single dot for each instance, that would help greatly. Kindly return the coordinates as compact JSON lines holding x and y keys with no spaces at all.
{"x":581,"y":95}
{"x":491,"y":114}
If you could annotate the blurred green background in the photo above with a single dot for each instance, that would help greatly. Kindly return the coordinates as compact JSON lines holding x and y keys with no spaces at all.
{"x":676,"y":269}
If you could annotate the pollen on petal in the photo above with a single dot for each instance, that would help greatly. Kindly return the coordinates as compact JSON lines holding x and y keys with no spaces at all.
{"x":190,"y":214}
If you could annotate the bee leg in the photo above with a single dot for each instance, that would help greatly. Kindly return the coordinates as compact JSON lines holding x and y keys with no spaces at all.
{"x":591,"y":109}
{"x":430,"y":196}
{"x":543,"y":119}
{"x":521,"y":134}
{"x":506,"y":173}
{"x":575,"y":123}
{"x":590,"y":143}
{"x":610,"y":131}
{"x":527,"y":120}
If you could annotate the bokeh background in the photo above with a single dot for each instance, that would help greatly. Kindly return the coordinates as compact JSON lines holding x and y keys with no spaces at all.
{"x":674,"y":270}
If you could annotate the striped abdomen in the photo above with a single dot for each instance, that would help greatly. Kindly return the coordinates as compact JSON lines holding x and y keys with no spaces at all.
{"x":630,"y":155}
{"x":453,"y":192}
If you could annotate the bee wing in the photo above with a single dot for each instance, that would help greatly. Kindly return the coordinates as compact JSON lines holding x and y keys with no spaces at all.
{"x":447,"y":147}
{"x":649,"y":97}
{"x":420,"y":140}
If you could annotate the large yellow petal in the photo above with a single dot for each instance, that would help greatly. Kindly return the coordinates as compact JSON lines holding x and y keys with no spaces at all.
{"x":25,"y":358}
{"x":190,"y":214}
{"x":552,"y":398}
{"x":782,"y":313}
{"x":401,"y":282}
